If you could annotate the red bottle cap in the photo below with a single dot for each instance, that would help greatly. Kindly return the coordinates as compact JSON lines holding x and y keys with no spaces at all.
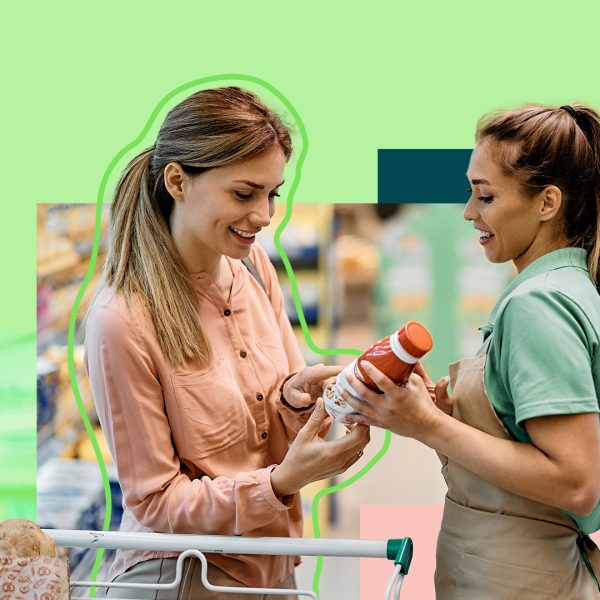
{"x":415,"y":339}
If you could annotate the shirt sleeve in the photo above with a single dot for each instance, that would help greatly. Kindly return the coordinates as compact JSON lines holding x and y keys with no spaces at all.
{"x":130,"y":405}
{"x":293,"y":421}
{"x":545,"y":356}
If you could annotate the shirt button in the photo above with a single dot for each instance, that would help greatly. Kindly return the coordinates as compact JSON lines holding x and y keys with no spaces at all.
{"x":243,"y":353}
{"x":226,"y":312}
{"x":263,"y":435}
{"x":259,"y":396}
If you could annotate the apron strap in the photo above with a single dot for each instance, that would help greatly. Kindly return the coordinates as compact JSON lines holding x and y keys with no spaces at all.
{"x":586,"y":547}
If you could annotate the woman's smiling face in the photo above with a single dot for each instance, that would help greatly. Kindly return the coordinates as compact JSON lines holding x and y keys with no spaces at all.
{"x":512,"y":224}
{"x":219,"y":212}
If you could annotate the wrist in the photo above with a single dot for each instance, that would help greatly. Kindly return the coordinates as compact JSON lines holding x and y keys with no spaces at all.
{"x":284,"y":391}
{"x":430,"y":434}
{"x":280,"y":484}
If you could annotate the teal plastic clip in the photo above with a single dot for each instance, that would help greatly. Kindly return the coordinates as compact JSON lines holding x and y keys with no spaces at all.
{"x":401,"y":552}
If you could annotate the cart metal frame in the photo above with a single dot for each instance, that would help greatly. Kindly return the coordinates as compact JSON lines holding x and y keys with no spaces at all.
{"x":398,"y":550}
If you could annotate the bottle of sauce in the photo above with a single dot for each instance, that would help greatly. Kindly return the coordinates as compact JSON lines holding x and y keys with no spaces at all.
{"x":395,"y":355}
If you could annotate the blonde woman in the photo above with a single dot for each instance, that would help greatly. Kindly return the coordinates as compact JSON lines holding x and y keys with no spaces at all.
{"x":196,"y":375}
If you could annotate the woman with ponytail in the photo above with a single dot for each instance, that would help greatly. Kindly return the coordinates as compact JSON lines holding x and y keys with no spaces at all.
{"x":519,"y":436}
{"x":197,"y":379}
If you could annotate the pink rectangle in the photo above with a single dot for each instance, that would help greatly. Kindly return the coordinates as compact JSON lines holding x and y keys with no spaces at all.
{"x":421,"y":522}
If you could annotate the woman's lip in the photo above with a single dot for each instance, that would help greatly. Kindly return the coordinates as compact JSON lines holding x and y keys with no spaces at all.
{"x":241,"y":239}
{"x":244,"y":231}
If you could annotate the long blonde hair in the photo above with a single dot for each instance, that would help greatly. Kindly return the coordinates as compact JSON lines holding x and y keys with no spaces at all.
{"x":211,"y":128}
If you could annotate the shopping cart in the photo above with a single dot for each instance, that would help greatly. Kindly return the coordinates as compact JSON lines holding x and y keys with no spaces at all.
{"x":398,"y":550}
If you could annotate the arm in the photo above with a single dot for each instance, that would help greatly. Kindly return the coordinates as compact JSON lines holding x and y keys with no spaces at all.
{"x":544,"y":371}
{"x":555,"y":469}
{"x":129,"y":399}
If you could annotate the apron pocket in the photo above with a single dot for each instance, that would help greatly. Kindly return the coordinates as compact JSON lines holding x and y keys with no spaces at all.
{"x":481,"y":579}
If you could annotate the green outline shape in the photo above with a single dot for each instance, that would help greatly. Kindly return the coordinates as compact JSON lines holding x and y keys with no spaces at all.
{"x":294,"y":286}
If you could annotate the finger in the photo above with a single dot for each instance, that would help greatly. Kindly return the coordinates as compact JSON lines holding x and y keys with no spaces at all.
{"x":364,"y":435}
{"x":321,"y":372}
{"x":298,"y":398}
{"x":361,"y":391}
{"x":352,"y":442}
{"x":357,"y":404}
{"x":442,"y":398}
{"x":315,"y":422}
{"x":382,"y":381}
{"x":422,"y":373}
{"x":325,"y":427}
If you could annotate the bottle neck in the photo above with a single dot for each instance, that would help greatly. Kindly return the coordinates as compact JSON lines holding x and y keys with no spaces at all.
{"x":400,"y":352}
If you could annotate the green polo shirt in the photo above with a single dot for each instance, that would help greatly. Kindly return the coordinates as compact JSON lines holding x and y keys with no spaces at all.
{"x":544,"y":356}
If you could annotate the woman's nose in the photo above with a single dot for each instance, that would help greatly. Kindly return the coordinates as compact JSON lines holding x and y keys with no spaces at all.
{"x":262,"y":213}
{"x":470,"y":213}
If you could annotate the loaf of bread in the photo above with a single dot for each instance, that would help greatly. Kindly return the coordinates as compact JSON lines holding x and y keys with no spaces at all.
{"x":20,"y":538}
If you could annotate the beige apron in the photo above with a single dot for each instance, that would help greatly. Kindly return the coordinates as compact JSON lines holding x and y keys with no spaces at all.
{"x":494,"y":544}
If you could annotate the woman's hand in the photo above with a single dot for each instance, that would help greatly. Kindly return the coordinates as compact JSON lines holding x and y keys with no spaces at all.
{"x":438,"y":392}
{"x":406,"y":410}
{"x":310,"y":458}
{"x":305,"y":387}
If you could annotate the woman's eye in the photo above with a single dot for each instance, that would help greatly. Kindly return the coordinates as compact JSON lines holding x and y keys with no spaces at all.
{"x":244,"y":196}
{"x":486,"y":199}
{"x":274,"y":195}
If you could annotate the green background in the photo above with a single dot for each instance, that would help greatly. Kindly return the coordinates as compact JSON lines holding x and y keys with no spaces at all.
{"x":81,"y":79}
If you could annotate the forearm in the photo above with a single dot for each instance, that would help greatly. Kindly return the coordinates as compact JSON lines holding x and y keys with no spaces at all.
{"x":519,"y":468}
{"x":225,"y":506}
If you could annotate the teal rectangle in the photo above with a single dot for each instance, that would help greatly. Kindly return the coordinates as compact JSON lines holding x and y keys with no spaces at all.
{"x":419,"y":176}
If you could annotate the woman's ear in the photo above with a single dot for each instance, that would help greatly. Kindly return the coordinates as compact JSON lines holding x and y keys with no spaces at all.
{"x":551,"y":199}
{"x":175,"y":178}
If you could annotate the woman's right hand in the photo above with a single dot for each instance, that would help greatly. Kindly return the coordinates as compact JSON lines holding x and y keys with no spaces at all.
{"x":438,"y":392}
{"x":310,"y":458}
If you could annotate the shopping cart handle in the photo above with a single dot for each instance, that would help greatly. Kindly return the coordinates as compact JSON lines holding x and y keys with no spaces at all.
{"x":401,"y":552}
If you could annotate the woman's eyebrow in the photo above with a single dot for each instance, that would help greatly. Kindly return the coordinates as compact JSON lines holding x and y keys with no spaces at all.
{"x":478,"y":181}
{"x":255,"y":185}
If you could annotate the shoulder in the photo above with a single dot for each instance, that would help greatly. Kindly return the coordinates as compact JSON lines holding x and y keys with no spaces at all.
{"x":260,"y":258}
{"x":111,"y":317}
{"x":565,"y":290}
{"x":551,"y":307}
{"x":263,"y":265}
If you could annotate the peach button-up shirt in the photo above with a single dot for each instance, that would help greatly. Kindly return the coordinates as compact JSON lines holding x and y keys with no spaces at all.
{"x":194,"y":448}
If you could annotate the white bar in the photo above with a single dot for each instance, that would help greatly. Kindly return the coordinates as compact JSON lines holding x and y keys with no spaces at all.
{"x":219,"y":543}
{"x":203,"y":576}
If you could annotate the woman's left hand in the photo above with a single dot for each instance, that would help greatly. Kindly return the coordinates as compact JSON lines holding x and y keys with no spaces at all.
{"x":406,"y":410}
{"x":305,"y":387}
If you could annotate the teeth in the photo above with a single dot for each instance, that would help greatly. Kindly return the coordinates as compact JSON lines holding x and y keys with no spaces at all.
{"x":242,"y":233}
{"x":485,"y":235}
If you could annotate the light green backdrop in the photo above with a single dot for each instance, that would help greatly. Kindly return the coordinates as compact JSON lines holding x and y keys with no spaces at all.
{"x":80,"y":80}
